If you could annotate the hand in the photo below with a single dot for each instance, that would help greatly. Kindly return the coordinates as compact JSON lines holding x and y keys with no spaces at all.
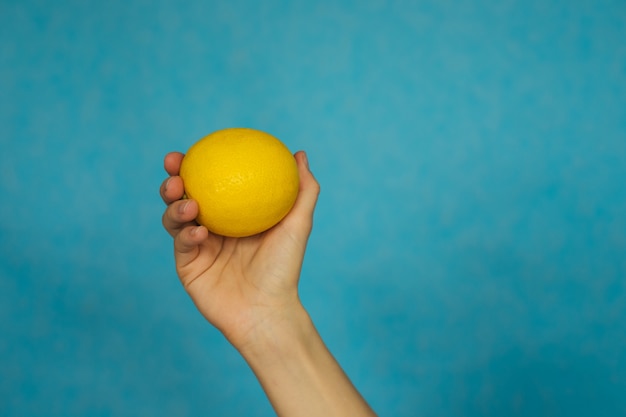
{"x":248,"y":289}
{"x":240,"y":285}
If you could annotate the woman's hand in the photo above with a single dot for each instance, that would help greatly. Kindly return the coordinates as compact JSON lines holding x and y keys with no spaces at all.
{"x":248,"y":288}
{"x":242,"y":286}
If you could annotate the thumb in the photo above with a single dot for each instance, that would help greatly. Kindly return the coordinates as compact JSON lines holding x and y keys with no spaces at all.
{"x":300,"y":218}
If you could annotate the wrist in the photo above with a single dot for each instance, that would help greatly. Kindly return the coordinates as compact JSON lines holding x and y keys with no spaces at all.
{"x":298,"y":373}
{"x":278,"y":336}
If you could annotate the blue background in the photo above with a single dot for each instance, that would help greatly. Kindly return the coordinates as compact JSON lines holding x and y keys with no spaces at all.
{"x":469,"y":250}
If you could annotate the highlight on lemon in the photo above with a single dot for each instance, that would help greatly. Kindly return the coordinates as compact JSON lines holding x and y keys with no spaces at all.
{"x":244,"y":180}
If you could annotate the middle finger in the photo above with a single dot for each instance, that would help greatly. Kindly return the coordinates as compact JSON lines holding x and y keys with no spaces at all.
{"x":172,"y":189}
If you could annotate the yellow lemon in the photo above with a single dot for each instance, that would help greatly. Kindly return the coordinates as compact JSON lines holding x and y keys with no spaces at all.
{"x":245,"y":181}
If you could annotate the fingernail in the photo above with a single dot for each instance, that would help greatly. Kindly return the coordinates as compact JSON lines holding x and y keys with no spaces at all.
{"x":183,"y":207}
{"x":305,"y":159}
{"x":166,"y":184}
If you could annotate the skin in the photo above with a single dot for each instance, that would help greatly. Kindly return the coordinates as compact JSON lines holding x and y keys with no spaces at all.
{"x":248,"y":289}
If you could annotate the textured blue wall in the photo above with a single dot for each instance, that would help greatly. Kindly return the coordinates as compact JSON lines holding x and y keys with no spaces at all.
{"x":469,"y":252}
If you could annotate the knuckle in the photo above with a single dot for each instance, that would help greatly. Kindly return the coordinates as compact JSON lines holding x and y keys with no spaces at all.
{"x":317,"y":187}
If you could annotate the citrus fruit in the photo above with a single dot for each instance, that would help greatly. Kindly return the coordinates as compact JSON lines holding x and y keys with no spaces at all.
{"x":244,"y":180}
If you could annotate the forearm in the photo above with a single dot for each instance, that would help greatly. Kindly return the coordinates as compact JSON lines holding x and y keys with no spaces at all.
{"x":298,"y":373}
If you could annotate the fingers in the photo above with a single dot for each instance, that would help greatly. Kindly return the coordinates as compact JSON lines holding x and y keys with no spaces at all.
{"x":172,"y":162}
{"x":301,"y":215}
{"x":179,"y":215}
{"x":187,"y":248}
{"x":172,"y":189}
{"x":179,"y":221}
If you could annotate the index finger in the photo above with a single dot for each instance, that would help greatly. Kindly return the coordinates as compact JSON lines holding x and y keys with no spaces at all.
{"x":172,"y":162}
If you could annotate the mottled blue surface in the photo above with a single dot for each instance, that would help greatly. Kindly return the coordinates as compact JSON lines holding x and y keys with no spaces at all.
{"x":469,"y":251}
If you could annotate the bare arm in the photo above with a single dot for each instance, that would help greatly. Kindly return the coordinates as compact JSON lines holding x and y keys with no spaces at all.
{"x":248,"y":289}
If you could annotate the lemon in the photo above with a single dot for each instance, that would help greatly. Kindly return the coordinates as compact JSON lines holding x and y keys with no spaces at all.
{"x":244,"y":180}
